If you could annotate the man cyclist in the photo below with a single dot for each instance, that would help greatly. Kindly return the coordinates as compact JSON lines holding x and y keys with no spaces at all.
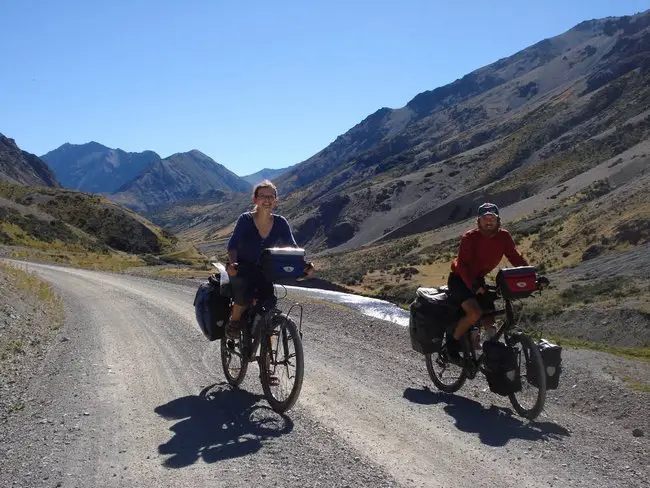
{"x":481,"y":250}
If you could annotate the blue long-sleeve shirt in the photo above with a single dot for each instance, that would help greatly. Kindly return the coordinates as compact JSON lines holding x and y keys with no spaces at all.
{"x":248,"y":243}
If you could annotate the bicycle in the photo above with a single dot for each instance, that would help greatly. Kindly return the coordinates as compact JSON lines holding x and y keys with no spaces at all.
{"x":279,"y":341}
{"x":471,"y":364}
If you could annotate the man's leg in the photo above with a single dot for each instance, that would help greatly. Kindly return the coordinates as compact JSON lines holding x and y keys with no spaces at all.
{"x":236,"y":312}
{"x":472,"y":314}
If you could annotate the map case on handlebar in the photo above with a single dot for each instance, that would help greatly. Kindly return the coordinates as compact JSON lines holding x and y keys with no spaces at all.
{"x":281,"y":263}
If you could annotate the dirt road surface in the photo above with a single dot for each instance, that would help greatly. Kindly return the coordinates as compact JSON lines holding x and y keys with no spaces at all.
{"x":131,"y":394}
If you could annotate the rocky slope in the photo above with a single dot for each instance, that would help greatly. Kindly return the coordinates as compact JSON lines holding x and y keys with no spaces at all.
{"x":18,"y":166}
{"x":179,"y":177}
{"x":504,"y":132}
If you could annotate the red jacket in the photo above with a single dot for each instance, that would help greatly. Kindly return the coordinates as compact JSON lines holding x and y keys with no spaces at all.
{"x":479,"y":254}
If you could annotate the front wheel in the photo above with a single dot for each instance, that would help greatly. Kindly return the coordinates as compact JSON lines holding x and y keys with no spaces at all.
{"x":282,"y":364}
{"x":529,"y":401}
{"x":445,"y":374}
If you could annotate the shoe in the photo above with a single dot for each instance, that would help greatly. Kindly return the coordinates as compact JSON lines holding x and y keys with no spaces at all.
{"x":453,"y":350}
{"x":233,"y":328}
{"x":475,"y":338}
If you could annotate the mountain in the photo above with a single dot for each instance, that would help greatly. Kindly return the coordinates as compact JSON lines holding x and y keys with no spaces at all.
{"x":519,"y":127}
{"x":506,"y":131}
{"x":41,"y":220}
{"x":92,"y":167}
{"x":176,"y":178}
{"x":18,"y":166}
{"x":265,"y":174}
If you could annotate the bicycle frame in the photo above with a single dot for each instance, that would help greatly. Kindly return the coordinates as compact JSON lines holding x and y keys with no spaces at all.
{"x":508,"y":311}
{"x":253,"y":334}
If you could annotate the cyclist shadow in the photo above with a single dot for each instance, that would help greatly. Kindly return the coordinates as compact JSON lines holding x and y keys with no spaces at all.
{"x":218,"y":423}
{"x":494,"y":425}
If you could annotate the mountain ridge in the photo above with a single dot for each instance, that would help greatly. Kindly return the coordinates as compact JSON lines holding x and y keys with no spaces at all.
{"x":18,"y":166}
{"x":95,"y":168}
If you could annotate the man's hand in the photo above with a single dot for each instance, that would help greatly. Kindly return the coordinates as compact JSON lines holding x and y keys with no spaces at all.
{"x":232,"y":269}
{"x":479,"y":286}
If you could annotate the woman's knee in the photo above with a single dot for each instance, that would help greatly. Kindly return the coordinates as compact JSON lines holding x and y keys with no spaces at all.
{"x":238,"y":287}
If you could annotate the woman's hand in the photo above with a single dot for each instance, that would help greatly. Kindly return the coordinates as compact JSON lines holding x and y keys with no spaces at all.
{"x":232,"y":269}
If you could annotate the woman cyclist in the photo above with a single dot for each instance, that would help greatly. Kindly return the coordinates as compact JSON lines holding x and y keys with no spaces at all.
{"x":254,"y":232}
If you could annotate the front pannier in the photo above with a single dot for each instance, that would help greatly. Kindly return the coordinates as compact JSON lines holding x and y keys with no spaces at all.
{"x":552,"y":359}
{"x":502,"y":368}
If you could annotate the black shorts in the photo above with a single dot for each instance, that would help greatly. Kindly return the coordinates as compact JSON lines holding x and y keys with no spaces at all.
{"x":250,"y":283}
{"x":460,"y":293}
{"x":458,"y":289}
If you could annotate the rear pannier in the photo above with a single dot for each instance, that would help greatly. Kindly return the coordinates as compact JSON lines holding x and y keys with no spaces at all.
{"x":212,"y":309}
{"x":430,"y":315}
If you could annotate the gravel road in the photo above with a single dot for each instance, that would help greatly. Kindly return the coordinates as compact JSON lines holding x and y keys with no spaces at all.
{"x":131,"y":394}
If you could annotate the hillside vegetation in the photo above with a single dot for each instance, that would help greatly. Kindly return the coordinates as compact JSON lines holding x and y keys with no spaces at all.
{"x":82,"y":229}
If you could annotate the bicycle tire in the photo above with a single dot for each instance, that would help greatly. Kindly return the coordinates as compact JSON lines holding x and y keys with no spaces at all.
{"x":233,"y":379}
{"x":453,"y":387}
{"x":537,"y":363}
{"x":285,"y":329}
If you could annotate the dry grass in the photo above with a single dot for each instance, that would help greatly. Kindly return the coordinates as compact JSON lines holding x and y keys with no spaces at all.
{"x":30,"y":284}
{"x":183,"y":272}
{"x":187,"y":255}
{"x":115,"y":262}
{"x":639,"y":353}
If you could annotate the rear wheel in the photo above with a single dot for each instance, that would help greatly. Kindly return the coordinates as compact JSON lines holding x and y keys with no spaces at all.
{"x":445,"y":374}
{"x":233,"y":361}
{"x":529,"y":402}
{"x":282,"y":364}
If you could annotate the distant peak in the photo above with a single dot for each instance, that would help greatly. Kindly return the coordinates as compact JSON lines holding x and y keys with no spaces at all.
{"x":198,"y":154}
{"x":87,"y":145}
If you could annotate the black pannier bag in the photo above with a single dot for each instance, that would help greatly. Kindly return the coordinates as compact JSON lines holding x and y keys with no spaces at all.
{"x":430,"y":315}
{"x":280,"y":263}
{"x":212,"y":308}
{"x":501,"y":368}
{"x":552,"y":359}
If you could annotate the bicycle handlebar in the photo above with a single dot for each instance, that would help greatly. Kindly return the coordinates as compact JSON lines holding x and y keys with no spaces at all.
{"x":542,"y":282}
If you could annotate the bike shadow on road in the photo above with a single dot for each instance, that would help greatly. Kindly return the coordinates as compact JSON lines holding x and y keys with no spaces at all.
{"x":219,"y":423}
{"x":494,"y":425}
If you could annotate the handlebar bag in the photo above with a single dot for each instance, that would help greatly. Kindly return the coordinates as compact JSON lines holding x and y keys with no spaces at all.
{"x":519,"y":282}
{"x":283,"y":262}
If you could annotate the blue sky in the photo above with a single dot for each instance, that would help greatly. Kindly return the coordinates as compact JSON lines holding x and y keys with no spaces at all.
{"x":252,"y":84}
